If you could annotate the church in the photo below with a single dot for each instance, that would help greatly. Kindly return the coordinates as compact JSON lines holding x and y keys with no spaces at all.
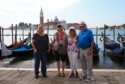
{"x":52,"y":24}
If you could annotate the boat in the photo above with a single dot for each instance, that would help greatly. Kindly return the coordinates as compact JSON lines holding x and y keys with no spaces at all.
{"x":121,"y":39}
{"x":20,"y":43}
{"x":96,"y":51}
{"x":117,"y":54}
{"x":18,"y":49}
{"x":108,"y":43}
{"x":113,"y":49}
{"x":25,"y":50}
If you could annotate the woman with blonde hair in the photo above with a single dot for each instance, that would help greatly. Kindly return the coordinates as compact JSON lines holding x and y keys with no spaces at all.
{"x":40,"y":44}
{"x":72,"y":50}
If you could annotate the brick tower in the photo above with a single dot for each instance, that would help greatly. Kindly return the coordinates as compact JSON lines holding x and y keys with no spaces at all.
{"x":41,"y":17}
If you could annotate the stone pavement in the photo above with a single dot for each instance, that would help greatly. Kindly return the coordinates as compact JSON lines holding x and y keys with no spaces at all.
{"x":26,"y":76}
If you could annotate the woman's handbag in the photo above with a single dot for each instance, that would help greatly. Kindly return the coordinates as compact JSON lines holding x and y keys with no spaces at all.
{"x":61,"y":49}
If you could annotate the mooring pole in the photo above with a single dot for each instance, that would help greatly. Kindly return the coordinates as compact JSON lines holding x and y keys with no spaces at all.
{"x":16,"y":35}
{"x":48,"y":26}
{"x":104,"y":44}
{"x":97,"y":35}
{"x":114,"y":33}
{"x":124,"y":55}
{"x":0,"y":34}
{"x":12,"y":32}
{"x":3,"y":34}
{"x":23,"y":32}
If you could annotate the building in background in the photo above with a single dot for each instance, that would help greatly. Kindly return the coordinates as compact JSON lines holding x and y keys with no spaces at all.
{"x":50,"y":24}
{"x":41,"y":17}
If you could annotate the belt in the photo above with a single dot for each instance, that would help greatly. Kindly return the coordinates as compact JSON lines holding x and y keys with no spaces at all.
{"x":84,"y":48}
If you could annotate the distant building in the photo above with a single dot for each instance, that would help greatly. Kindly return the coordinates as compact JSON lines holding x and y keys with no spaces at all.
{"x":52,"y":24}
{"x":41,"y":17}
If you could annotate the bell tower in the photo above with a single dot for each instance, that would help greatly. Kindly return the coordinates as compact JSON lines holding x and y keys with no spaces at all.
{"x":41,"y":17}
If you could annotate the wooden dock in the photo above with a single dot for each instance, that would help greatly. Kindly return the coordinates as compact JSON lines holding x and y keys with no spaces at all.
{"x":26,"y":76}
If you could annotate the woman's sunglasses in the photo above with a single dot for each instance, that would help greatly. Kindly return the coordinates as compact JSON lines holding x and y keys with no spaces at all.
{"x":72,"y":30}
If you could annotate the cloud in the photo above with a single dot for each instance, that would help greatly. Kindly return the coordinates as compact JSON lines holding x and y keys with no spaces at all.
{"x":18,"y":10}
{"x":49,"y":5}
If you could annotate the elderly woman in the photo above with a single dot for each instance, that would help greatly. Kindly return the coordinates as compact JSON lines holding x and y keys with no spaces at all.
{"x":60,"y":37}
{"x":40,"y":44}
{"x":73,"y":51}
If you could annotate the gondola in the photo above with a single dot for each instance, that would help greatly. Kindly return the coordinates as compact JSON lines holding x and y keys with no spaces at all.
{"x":116,"y":54}
{"x":20,"y":43}
{"x":121,"y":39}
{"x":25,"y":50}
{"x":113,"y":49}
{"x":18,"y":49}
{"x":96,"y":51}
{"x":108,"y":43}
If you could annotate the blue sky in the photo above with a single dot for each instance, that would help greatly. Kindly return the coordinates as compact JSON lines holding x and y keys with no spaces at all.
{"x":95,"y":13}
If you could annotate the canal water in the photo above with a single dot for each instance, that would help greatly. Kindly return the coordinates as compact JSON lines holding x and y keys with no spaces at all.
{"x":28,"y":62}
{"x":103,"y":62}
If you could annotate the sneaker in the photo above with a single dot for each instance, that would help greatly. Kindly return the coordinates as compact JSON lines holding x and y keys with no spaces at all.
{"x":36,"y":76}
{"x":44,"y":76}
{"x":88,"y":79}
{"x":84,"y":77}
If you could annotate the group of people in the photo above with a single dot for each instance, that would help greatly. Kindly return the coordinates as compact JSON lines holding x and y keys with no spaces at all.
{"x":81,"y":44}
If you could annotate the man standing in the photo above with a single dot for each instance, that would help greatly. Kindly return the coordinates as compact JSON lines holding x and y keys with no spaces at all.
{"x":86,"y":43}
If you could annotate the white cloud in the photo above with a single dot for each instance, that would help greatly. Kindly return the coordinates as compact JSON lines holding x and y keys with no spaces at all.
{"x":16,"y":10}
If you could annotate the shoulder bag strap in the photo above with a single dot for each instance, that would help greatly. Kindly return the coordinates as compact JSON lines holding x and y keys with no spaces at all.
{"x":57,"y":38}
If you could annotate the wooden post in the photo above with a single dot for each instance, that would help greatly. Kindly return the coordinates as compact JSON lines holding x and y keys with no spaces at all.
{"x":3,"y":34}
{"x":30,"y":34}
{"x":104,"y":43}
{"x":30,"y":30}
{"x":48,"y":27}
{"x":114,"y":33}
{"x":0,"y":34}
{"x":97,"y":35}
{"x":124,"y":55}
{"x":23,"y":33}
{"x":12,"y":32}
{"x":33,"y":31}
{"x":16,"y":35}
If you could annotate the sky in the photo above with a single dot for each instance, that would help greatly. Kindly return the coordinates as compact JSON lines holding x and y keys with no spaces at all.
{"x":95,"y":13}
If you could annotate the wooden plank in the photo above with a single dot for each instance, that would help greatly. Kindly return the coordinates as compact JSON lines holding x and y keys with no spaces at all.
{"x":4,"y":72}
{"x":11,"y":72}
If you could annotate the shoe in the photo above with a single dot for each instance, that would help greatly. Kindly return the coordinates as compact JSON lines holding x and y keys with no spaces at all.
{"x":45,"y":76}
{"x":71,"y":75}
{"x":88,"y":79}
{"x":58,"y":75}
{"x":84,"y":77}
{"x":63,"y":74}
{"x":76,"y":75}
{"x":36,"y":76}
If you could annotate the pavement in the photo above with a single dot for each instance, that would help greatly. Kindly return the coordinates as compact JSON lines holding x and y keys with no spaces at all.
{"x":26,"y":76}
